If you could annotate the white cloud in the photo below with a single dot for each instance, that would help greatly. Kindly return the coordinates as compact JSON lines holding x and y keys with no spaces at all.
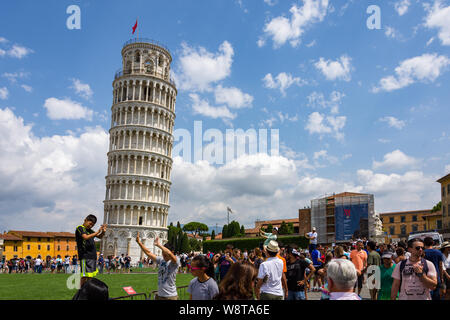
{"x":317,"y":100}
{"x":393,"y":122}
{"x":411,"y":191}
{"x":282,"y":29}
{"x":27,"y":88}
{"x":19,"y":52}
{"x":396,"y":160}
{"x":439,"y":18}
{"x":391,"y":32}
{"x":3,"y":40}
{"x":203,"y":107}
{"x":2,"y":52}
{"x":381,"y":140}
{"x":447,"y":169}
{"x":321,"y":125}
{"x":14,"y":76}
{"x":56,"y":179}
{"x":424,"y":68}
{"x":282,"y":82}
{"x":271,"y":2}
{"x":198,"y":68}
{"x":233,"y":97}
{"x":4,"y":93}
{"x":66,"y":109}
{"x":323,"y":154}
{"x":82,"y":89}
{"x":402,"y":6}
{"x":335,"y":70}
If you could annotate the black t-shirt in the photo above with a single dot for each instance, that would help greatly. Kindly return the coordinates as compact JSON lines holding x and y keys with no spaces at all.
{"x":295,"y":272}
{"x":86,"y":248}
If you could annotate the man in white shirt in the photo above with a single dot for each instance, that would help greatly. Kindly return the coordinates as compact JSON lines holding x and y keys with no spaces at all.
{"x":312,"y":236}
{"x":412,"y":277}
{"x":269,"y":277}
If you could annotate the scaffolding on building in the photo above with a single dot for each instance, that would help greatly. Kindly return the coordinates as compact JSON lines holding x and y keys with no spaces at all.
{"x":323,"y":214}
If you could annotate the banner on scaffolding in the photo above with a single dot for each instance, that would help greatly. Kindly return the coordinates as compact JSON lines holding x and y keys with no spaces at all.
{"x":351,"y":221}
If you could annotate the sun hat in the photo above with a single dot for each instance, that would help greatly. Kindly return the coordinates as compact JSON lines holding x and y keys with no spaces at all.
{"x":445,"y":244}
{"x":387,"y":255}
{"x":273,"y":246}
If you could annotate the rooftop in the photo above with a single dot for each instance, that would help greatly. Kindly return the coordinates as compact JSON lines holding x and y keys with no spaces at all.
{"x":147,"y":40}
{"x":444,"y":178}
{"x":10,"y":237}
{"x":428,"y":211}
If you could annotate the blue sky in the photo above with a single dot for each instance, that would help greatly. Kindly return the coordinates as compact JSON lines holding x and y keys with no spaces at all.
{"x":357,"y":109}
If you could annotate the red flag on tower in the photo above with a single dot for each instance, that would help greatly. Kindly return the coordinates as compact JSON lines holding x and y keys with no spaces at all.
{"x":135,"y":26}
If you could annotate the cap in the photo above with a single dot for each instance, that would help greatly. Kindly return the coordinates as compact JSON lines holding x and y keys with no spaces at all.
{"x":445,"y":244}
{"x":314,"y":228}
{"x":273,"y":246}
{"x":275,"y":228}
{"x":387,"y":255}
{"x":295,"y":252}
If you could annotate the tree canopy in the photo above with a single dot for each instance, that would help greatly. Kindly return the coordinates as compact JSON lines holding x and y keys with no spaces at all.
{"x":195,"y":228}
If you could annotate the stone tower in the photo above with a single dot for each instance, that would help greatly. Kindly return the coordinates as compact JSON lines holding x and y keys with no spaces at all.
{"x":140,"y":150}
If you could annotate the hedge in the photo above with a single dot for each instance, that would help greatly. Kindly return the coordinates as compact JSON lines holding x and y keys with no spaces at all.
{"x":251,"y":243}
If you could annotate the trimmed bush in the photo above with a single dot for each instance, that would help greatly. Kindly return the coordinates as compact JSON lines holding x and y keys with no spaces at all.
{"x":252,"y":243}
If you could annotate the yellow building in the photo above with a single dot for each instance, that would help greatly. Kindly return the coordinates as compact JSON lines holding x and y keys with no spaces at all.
{"x":30,"y":244}
{"x":398,"y":225}
{"x":445,"y":199}
{"x":12,"y":246}
{"x":433,"y":220}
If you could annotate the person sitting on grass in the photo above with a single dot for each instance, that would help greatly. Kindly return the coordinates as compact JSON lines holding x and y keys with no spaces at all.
{"x":87,"y":252}
{"x":168,"y":265}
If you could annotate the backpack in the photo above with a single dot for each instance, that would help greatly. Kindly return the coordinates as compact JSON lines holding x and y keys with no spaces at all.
{"x":403,"y":265}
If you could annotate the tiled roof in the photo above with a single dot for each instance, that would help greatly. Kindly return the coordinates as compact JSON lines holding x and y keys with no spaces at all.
{"x":11,"y":237}
{"x":444,"y":178}
{"x":30,"y":234}
{"x":62,"y":234}
{"x":278,"y":221}
{"x":407,"y":212}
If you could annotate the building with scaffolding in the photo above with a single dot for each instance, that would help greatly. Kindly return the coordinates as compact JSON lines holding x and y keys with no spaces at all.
{"x":341,"y":217}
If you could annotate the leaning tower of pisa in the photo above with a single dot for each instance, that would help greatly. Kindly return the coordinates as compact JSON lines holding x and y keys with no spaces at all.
{"x":140,"y":150}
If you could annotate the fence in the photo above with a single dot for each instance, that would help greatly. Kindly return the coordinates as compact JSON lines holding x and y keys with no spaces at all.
{"x":182,"y":293}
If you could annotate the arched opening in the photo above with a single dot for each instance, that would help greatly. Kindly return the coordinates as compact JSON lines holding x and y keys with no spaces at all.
{"x":141,"y":220}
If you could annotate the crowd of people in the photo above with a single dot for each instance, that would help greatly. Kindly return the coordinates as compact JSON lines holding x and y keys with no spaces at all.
{"x":417,"y":270}
{"x":68,"y":264}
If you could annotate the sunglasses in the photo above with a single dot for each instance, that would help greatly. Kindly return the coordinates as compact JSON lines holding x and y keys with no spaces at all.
{"x":420,"y":248}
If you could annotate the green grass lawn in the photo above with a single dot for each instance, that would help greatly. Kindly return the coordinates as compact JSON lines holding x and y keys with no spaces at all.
{"x":47,"y":286}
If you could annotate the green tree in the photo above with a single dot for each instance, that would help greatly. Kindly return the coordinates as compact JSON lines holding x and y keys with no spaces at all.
{"x":437,"y":207}
{"x":290,"y":228}
{"x":283,"y":228}
{"x":242,"y":231}
{"x":269,"y":228}
{"x":233,"y":229}
{"x":225,"y":231}
{"x":195,"y":228}
{"x":213,"y":235}
{"x":178,"y":225}
{"x":184,"y":246}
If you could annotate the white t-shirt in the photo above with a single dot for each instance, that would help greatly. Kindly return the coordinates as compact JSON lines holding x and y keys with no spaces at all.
{"x":312,"y":234}
{"x":273,"y":268}
{"x":412,"y":287}
{"x":447,"y":262}
{"x":38,"y":262}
